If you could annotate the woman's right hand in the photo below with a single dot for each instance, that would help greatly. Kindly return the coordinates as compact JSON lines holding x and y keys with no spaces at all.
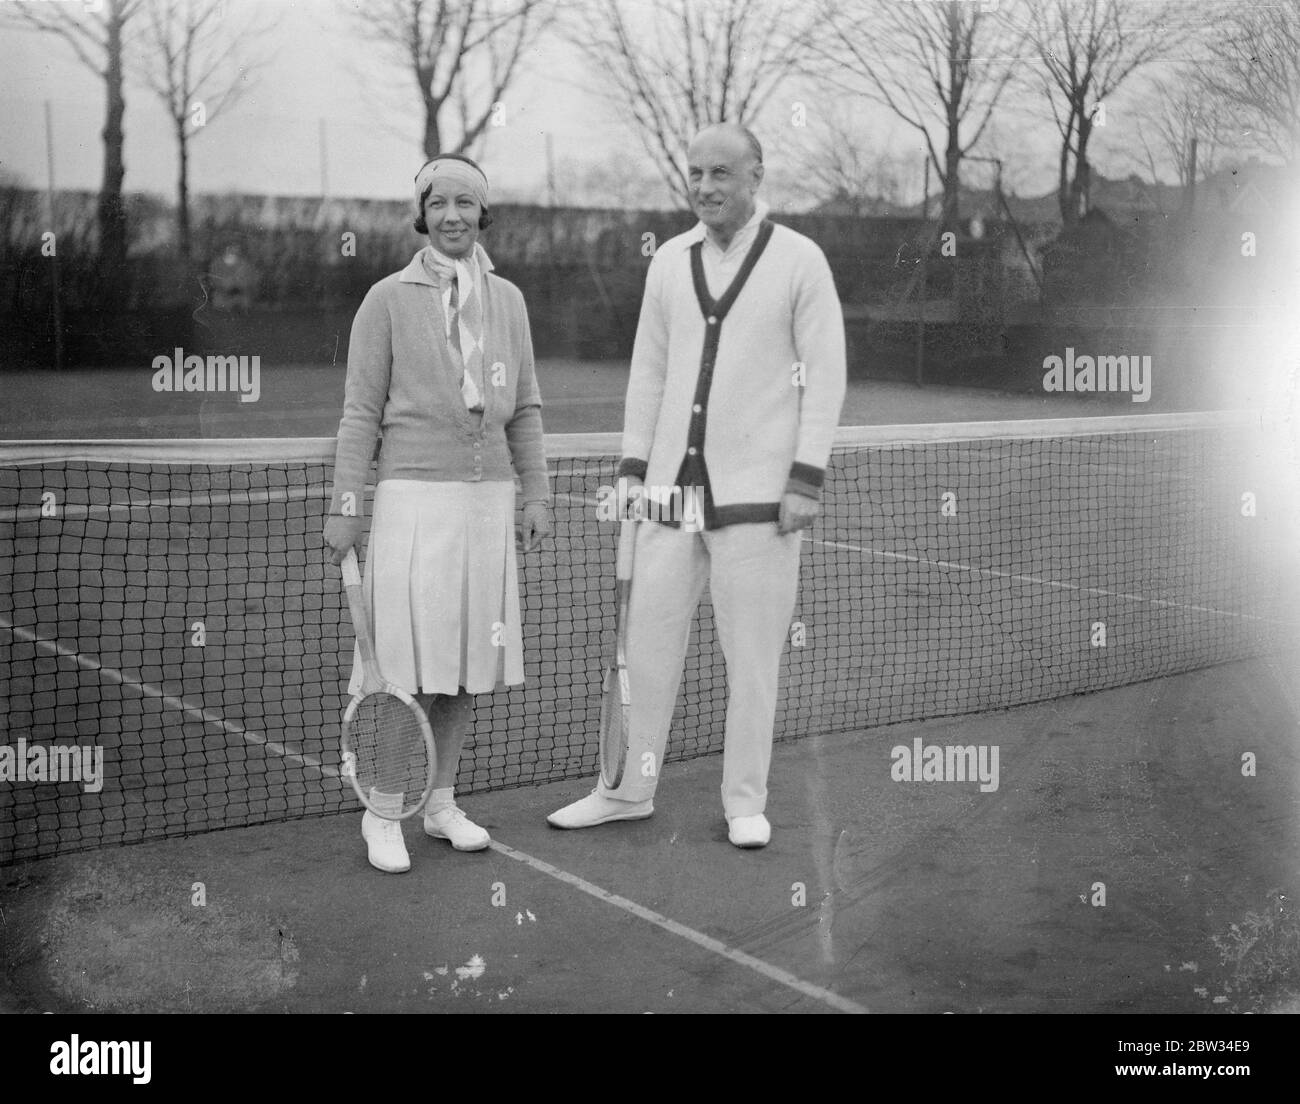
{"x":342,"y":533}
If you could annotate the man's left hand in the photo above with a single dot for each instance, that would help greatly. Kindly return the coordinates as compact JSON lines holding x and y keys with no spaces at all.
{"x":797,"y":512}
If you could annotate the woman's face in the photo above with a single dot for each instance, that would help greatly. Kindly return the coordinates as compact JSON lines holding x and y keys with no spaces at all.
{"x":452,"y":215}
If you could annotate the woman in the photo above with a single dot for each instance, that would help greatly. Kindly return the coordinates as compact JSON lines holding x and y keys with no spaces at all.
{"x":441,"y":361}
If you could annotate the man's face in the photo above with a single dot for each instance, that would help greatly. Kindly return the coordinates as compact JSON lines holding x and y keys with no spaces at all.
{"x":452,"y":215}
{"x":723,"y":178}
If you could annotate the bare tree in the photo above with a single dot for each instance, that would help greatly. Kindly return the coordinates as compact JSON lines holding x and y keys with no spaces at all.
{"x":939,"y":67}
{"x":1253,"y":72}
{"x":99,"y":38}
{"x":194,"y":65}
{"x":461,"y":54}
{"x":1088,"y":50}
{"x":1176,"y":114}
{"x":840,"y":166}
{"x":675,"y":67}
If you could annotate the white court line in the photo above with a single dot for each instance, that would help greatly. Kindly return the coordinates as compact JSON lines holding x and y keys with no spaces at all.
{"x":772,"y":973}
{"x":1038,"y":581}
{"x":53,"y":647}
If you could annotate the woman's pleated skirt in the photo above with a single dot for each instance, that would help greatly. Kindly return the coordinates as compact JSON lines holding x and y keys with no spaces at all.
{"x":442,"y":587}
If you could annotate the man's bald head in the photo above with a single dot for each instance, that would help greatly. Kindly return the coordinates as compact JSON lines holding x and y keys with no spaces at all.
{"x":724,"y":167}
{"x":734,"y":134}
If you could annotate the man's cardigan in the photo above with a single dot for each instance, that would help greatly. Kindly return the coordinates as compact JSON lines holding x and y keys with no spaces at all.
{"x":751,"y":386}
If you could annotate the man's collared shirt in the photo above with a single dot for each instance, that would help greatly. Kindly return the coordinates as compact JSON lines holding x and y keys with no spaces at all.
{"x":720,"y":267}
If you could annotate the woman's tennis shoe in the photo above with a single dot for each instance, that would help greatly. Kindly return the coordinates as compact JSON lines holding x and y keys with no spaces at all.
{"x":749,"y":831}
{"x":385,"y":847}
{"x":595,"y":809}
{"x":451,"y":824}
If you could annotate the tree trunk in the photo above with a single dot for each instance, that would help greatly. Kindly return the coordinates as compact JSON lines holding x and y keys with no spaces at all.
{"x":183,"y":190}
{"x":1081,"y":185}
{"x":956,"y":92}
{"x":432,"y":132}
{"x":111,"y":212}
{"x":952,"y":183}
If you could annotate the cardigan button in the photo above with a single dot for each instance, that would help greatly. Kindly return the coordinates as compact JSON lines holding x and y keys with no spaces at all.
{"x":692,"y":450}
{"x":712,"y":320}
{"x":697,"y":408}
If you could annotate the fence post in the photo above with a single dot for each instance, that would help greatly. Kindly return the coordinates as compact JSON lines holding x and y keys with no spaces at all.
{"x":54,"y":270}
{"x":925,"y":291}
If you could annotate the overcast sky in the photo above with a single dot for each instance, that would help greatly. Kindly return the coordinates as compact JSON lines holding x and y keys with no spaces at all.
{"x":269,"y":142}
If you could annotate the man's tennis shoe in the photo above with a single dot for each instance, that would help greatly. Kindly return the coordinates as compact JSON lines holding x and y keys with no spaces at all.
{"x":385,"y":847}
{"x":451,"y":824}
{"x":749,"y":831}
{"x":597,"y":809}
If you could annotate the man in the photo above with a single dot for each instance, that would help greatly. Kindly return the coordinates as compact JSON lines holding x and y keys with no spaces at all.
{"x":735,"y":391}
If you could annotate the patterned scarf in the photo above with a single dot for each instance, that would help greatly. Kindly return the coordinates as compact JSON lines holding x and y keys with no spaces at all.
{"x":460,"y":281}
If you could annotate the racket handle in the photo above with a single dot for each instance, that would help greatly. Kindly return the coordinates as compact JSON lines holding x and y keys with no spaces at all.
{"x":351,"y":572}
{"x":626,"y":547}
{"x":360,"y":617}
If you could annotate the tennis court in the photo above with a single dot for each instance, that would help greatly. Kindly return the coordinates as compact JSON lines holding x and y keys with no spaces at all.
{"x":175,"y":610}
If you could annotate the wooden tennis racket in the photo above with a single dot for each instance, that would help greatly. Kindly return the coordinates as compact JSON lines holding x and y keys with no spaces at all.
{"x":616,"y":700}
{"x":388,"y":751}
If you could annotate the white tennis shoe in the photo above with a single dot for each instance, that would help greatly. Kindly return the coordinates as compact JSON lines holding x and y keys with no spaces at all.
{"x":597,"y":809}
{"x":452,"y":824}
{"x":385,"y":847}
{"x":749,"y":831}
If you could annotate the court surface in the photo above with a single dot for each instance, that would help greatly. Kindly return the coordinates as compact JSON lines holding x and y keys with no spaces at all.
{"x":915,"y":897}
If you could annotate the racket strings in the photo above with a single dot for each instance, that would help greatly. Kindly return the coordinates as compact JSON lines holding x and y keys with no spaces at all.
{"x":387,"y":744}
{"x":613,"y":727}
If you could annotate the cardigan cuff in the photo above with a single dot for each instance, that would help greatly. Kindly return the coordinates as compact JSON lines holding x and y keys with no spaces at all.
{"x":805,"y":480}
{"x":631,"y":466}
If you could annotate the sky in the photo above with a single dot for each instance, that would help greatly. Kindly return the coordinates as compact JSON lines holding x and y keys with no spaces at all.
{"x":330,"y":114}
{"x":270,"y":140}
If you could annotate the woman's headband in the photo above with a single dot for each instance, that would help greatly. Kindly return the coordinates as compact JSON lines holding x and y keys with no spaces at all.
{"x":458,"y":172}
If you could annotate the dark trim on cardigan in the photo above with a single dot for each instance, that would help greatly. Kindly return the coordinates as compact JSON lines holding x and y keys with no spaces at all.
{"x":806,"y":480}
{"x":693,"y":471}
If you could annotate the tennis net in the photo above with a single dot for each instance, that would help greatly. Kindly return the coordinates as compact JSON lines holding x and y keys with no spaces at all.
{"x":168,"y":605}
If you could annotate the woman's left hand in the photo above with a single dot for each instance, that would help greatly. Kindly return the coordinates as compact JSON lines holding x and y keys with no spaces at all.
{"x":536,"y":525}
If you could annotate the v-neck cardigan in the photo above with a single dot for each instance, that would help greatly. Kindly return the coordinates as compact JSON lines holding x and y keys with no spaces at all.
{"x":401,"y":382}
{"x":757,"y":392}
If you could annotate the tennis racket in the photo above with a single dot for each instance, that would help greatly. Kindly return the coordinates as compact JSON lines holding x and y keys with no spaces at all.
{"x":388,"y":751}
{"x":616,"y":700}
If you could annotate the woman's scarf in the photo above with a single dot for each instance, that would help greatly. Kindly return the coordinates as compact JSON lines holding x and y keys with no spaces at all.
{"x":460,"y":280}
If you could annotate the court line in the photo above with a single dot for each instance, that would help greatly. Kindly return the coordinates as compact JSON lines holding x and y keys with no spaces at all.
{"x":1036,"y":580}
{"x":772,"y":973}
{"x":954,"y":565}
{"x":53,"y":647}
